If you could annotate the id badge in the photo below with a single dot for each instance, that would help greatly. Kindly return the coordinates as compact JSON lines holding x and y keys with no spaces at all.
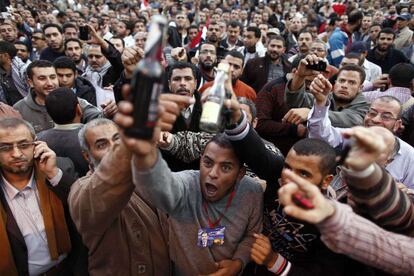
{"x":207,"y":237}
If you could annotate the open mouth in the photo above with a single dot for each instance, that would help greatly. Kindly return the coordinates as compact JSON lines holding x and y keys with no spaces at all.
{"x":211,"y":190}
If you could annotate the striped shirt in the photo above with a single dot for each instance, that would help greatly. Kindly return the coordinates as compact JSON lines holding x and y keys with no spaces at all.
{"x":347,"y":233}
{"x":376,"y":196}
{"x":401,"y":93}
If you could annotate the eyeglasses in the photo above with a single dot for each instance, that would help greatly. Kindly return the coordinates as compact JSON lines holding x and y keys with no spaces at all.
{"x":20,"y":146}
{"x":384,"y":116}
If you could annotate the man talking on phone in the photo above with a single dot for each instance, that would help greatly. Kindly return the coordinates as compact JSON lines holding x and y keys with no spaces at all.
{"x":34,"y":232}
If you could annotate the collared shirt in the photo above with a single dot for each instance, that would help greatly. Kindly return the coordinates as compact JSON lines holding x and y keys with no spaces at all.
{"x":68,"y":126}
{"x":401,"y":93}
{"x":188,"y":111}
{"x":320,"y":127}
{"x":275,"y":71}
{"x":25,"y":207}
{"x":372,"y":71}
{"x":347,"y":233}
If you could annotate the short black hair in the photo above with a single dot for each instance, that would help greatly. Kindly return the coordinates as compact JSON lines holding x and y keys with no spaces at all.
{"x":141,"y":19}
{"x":305,"y":31}
{"x":235,"y":24}
{"x":356,"y":68}
{"x":192,"y":27}
{"x":19,"y":42}
{"x":401,"y":75}
{"x":61,"y":14}
{"x":353,"y":55}
{"x":207,"y":43}
{"x":117,"y":37}
{"x":354,"y":16}
{"x":65,"y":63}
{"x":52,"y":25}
{"x":37,"y":64}
{"x":8,"y":48}
{"x":375,"y":25}
{"x":223,"y":142}
{"x":69,"y":25}
{"x":387,"y":31}
{"x":61,"y":105}
{"x":181,"y":65}
{"x":128,"y":25}
{"x":72,"y":40}
{"x":255,"y":30}
{"x":277,"y":37}
{"x":236,"y":54}
{"x":317,"y":147}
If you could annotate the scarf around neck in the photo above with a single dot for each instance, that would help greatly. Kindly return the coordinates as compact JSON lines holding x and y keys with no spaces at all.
{"x":95,"y":76}
{"x":56,"y":229}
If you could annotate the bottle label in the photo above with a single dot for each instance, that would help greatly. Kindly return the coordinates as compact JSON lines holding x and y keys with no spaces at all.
{"x":211,"y":112}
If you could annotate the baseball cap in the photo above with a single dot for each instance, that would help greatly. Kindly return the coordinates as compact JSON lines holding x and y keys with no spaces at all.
{"x":275,"y":31}
{"x":358,"y":47}
{"x":404,"y":16}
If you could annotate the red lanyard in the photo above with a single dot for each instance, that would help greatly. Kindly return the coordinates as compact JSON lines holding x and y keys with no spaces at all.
{"x":217,"y":222}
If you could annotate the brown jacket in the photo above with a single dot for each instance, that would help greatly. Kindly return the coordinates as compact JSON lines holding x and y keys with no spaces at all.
{"x":124,"y":234}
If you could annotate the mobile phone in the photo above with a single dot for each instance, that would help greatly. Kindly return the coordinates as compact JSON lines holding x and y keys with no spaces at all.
{"x":320,"y":66}
{"x":84,"y":32}
{"x":302,"y":201}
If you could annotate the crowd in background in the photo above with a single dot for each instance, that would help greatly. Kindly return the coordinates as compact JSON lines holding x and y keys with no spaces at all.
{"x":321,"y":108}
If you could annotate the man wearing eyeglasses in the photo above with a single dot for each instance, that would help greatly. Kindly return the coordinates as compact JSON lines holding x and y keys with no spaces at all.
{"x":385,"y":111}
{"x":38,"y":43}
{"x":34,"y":233}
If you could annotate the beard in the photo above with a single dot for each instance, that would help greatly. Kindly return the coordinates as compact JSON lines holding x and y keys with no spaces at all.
{"x":342,"y":100}
{"x":23,"y":169}
{"x":383,"y":48}
{"x":213,"y":38}
{"x":207,"y":67}
{"x":274,"y":56}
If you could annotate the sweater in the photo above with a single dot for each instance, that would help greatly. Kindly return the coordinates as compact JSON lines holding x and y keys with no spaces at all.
{"x":240,"y":89}
{"x":39,"y":118}
{"x":50,"y":55}
{"x":179,"y":195}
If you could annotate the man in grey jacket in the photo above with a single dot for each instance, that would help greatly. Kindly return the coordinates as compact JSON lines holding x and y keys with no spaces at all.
{"x":213,"y":213}
{"x":348,"y":106}
{"x":43,"y":80}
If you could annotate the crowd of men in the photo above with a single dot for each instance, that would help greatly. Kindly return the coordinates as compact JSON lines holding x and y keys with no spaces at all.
{"x":310,"y":173}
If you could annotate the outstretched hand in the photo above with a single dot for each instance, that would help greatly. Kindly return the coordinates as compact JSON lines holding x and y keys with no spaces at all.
{"x":322,"y":207}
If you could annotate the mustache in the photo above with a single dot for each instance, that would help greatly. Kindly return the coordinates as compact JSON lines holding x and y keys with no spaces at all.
{"x":19,"y":160}
{"x":179,"y":90}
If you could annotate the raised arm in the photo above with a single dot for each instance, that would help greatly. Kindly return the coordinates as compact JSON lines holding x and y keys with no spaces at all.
{"x":319,"y":124}
{"x":347,"y":233}
{"x":296,"y":95}
{"x":186,"y":146}
{"x":96,"y":200}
